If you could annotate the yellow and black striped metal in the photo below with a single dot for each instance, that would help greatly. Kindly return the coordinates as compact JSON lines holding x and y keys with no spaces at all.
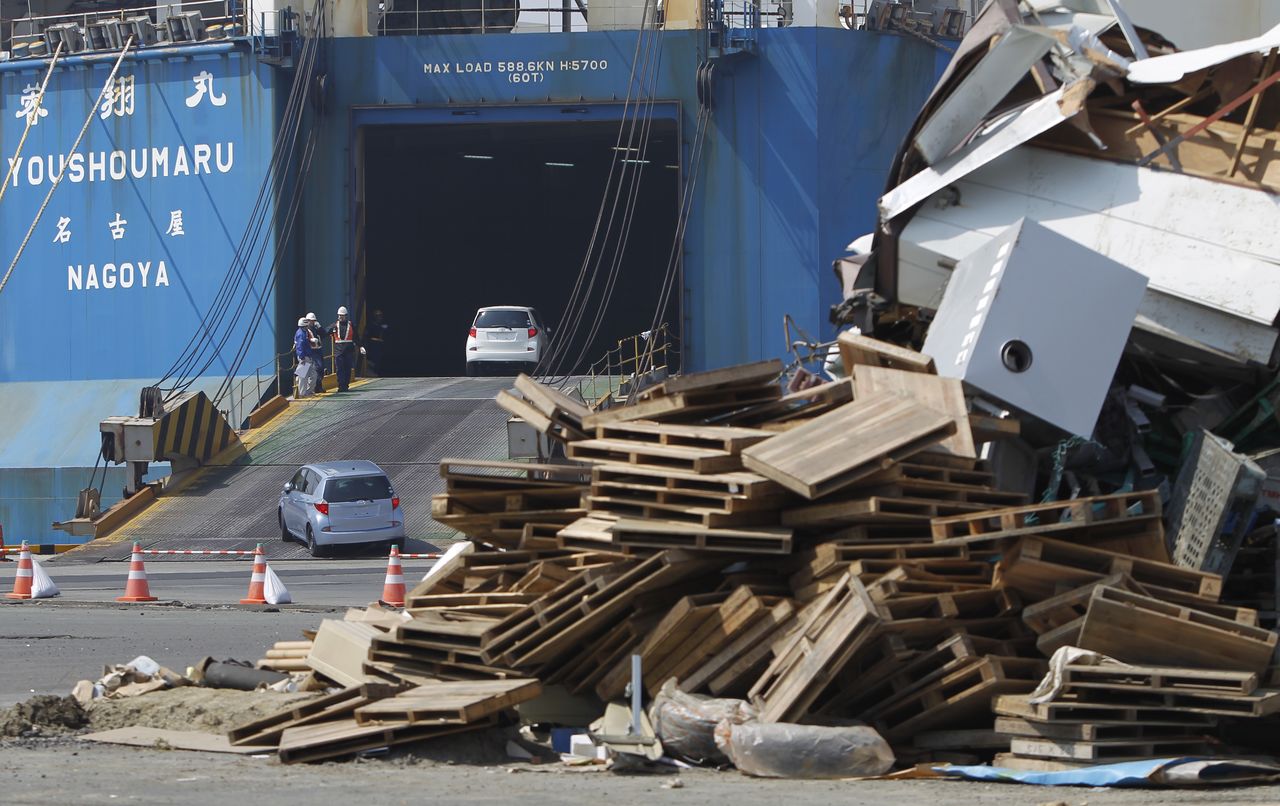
{"x":194,"y":429}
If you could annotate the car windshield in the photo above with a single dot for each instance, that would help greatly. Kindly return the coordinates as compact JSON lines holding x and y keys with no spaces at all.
{"x":515,"y":319}
{"x":357,"y":488}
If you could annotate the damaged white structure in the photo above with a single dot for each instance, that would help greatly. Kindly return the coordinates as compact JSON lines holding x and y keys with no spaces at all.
{"x":1165,"y":162}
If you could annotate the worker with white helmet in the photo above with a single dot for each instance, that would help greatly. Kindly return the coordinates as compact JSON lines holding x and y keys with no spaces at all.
{"x":343,"y":334}
{"x":303,"y":351}
{"x":317,"y":351}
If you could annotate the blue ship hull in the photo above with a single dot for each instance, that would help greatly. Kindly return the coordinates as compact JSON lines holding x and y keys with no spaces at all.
{"x":133,"y":247}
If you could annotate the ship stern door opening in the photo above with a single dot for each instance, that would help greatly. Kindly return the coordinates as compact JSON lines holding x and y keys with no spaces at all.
{"x":458,"y":209}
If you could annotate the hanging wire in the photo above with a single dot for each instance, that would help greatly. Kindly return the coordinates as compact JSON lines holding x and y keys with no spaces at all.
{"x":32,"y":117}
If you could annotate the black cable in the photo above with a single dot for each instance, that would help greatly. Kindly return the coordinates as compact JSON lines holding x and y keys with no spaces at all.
{"x":557,"y":355}
{"x":577,"y":300}
{"x":220,"y":306}
{"x":221,"y":302}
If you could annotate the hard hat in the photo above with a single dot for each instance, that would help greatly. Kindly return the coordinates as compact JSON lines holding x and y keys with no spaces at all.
{"x":342,"y":311}
{"x":312,"y":317}
{"x":302,"y":322}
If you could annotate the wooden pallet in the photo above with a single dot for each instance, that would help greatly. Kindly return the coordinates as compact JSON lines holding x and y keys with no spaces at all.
{"x":1036,"y":567}
{"x":856,"y":511}
{"x":592,"y":534}
{"x":449,"y":703}
{"x":483,"y":502}
{"x":824,"y":558}
{"x":978,"y":604}
{"x":1075,"y":517}
{"x":828,"y":633}
{"x":1091,"y":706}
{"x":791,"y":409}
{"x":1139,"y":629}
{"x":625,"y":507}
{"x":894,"y":673}
{"x":1113,"y":751}
{"x":570,"y":615}
{"x":343,"y":737}
{"x":267,"y":730}
{"x":920,"y":470}
{"x":667,"y":534}
{"x":580,"y":673}
{"x":1163,"y":679}
{"x":957,"y":696}
{"x":839,"y":448}
{"x":678,"y":457}
{"x":717,"y":438}
{"x":738,"y":645}
{"x":740,"y":483}
{"x":1192,"y":726}
{"x":462,"y":475}
{"x":676,"y":500}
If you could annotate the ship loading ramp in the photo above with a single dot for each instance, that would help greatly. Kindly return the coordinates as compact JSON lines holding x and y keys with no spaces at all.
{"x":405,"y":425}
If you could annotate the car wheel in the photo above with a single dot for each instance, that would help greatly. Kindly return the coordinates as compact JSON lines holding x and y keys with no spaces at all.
{"x":312,"y":548}
{"x":284,"y":530}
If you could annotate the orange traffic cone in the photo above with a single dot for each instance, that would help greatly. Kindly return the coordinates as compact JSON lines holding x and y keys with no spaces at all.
{"x":257,"y":582}
{"x":393,"y":588}
{"x":136,"y":589}
{"x":22,"y":582}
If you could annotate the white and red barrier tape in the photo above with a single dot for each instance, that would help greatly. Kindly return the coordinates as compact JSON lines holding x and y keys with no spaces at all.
{"x":419,"y":556}
{"x":195,"y":551}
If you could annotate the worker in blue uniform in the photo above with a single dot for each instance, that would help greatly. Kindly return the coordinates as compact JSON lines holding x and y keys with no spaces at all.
{"x":343,"y":334}
{"x":305,"y":353}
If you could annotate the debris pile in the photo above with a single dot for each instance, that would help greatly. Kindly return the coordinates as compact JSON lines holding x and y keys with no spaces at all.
{"x":761,"y":564}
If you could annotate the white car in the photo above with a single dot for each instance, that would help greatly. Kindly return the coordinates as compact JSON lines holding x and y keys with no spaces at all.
{"x":506,"y":337}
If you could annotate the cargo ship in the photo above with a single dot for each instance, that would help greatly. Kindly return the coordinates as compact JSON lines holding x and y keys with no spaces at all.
{"x":182,"y":183}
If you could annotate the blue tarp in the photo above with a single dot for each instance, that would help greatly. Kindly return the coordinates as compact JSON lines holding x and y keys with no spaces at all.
{"x":1182,"y":771}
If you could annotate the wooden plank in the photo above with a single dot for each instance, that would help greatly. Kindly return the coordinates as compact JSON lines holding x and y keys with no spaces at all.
{"x":837,"y":449}
{"x":1098,"y":731}
{"x":760,"y":372}
{"x":857,"y":350}
{"x":1141,"y":630}
{"x":141,"y":736}
{"x":340,"y":650}
{"x":552,"y":402}
{"x":945,"y":395}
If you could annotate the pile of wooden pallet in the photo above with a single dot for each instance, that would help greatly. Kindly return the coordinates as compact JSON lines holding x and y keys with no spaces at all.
{"x":839,"y":552}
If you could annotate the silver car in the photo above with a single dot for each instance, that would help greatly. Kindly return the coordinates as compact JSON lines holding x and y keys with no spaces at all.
{"x":340,"y":503}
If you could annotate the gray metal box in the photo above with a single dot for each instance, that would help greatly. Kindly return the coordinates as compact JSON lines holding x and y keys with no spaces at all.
{"x":524,"y":441}
{"x":1038,"y":321}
